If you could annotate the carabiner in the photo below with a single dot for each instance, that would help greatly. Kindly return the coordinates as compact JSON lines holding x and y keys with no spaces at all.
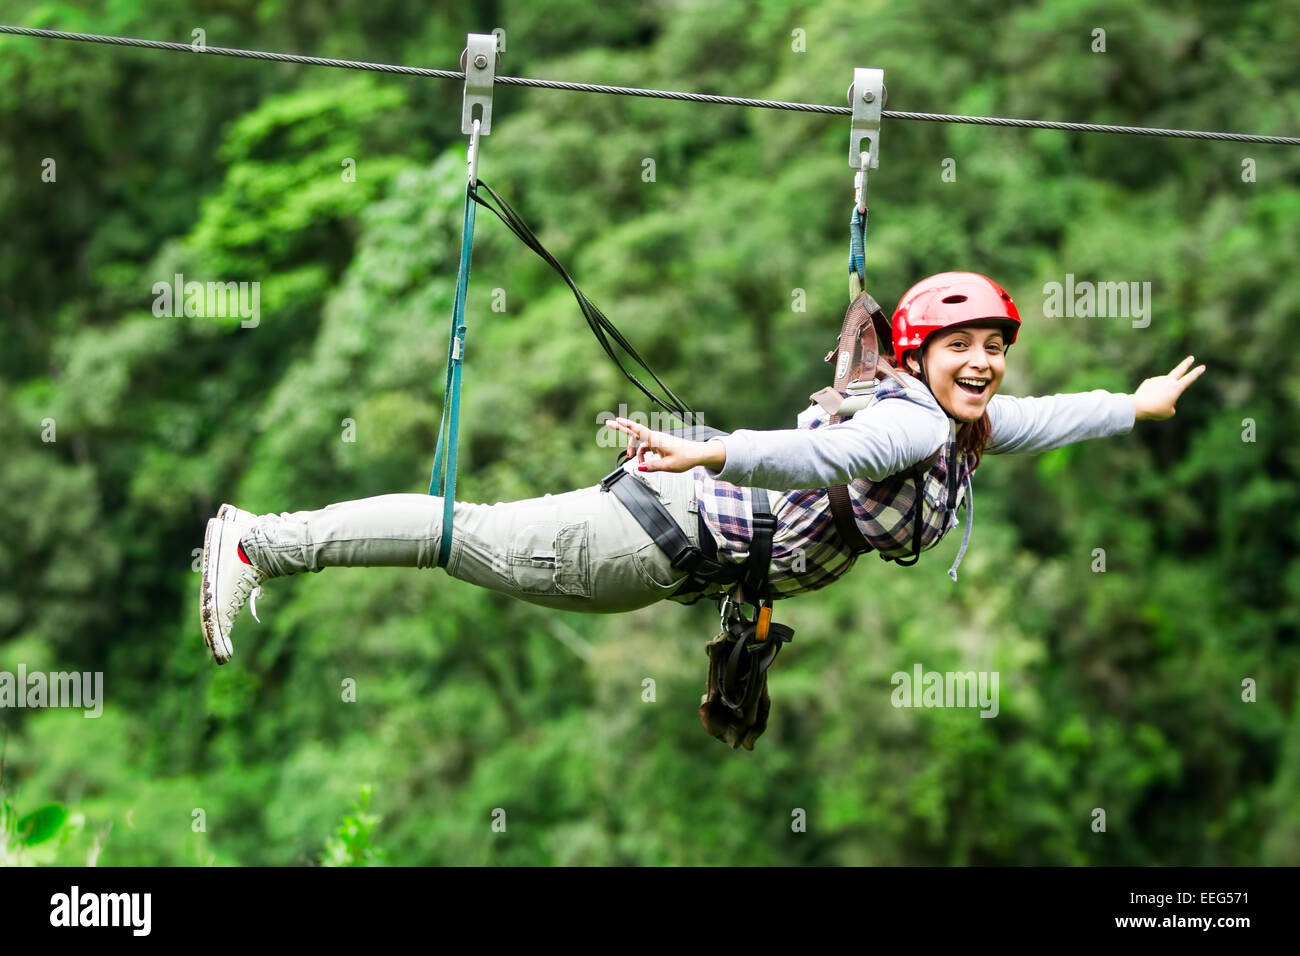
{"x":726,"y":605}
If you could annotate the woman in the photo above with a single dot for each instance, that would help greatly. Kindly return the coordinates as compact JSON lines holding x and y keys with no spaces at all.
{"x":583,"y":551}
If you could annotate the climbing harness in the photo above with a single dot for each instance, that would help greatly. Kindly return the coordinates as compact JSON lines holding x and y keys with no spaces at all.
{"x":735,"y":704}
{"x":859,"y":367}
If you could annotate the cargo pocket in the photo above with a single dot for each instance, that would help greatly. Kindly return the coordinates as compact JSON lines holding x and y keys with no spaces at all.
{"x":551,"y":558}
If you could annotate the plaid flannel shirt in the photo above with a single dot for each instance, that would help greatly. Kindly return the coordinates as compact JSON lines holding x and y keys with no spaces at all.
{"x":807,"y":550}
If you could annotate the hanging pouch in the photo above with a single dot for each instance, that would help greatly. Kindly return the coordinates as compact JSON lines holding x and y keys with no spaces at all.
{"x":735,"y":704}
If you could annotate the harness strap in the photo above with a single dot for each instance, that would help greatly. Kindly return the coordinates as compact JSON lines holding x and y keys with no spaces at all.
{"x":918,"y":476}
{"x":845,"y":522}
{"x":857,"y":359}
{"x":645,"y":506}
{"x":857,"y":254}
{"x":451,"y":394}
{"x":601,"y":327}
{"x":758,"y":563}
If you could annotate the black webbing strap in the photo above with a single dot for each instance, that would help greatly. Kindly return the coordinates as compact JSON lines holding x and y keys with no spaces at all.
{"x":600,"y":325}
{"x":918,"y":476}
{"x":845,"y":521}
{"x":760,"y":546}
{"x":645,"y":506}
{"x":707,"y":544}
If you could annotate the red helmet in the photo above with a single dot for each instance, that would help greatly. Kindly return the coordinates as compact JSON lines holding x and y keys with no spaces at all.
{"x":947,"y":299}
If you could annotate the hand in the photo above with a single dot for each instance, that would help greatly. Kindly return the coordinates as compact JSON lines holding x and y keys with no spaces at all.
{"x":675,"y":454}
{"x":1155,"y":397}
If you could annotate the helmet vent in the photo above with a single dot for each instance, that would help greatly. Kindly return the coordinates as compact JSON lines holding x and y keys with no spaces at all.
{"x":954,"y":299}
{"x":1005,"y":296}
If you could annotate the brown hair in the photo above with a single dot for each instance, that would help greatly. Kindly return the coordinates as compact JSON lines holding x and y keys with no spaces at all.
{"x":972,"y":439}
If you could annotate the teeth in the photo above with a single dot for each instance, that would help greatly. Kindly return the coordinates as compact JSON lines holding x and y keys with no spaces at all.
{"x":973,"y":381}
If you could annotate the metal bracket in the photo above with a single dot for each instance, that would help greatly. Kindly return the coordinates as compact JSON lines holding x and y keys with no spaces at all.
{"x":867,"y":98}
{"x":479,"y":61}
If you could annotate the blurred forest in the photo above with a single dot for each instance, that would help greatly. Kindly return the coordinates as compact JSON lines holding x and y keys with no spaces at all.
{"x":1120,"y":689}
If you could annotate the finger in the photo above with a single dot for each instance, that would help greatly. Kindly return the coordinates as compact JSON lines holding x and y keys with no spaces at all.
{"x":623,"y":425}
{"x":1182,"y":366}
{"x":1189,"y":379}
{"x":635,"y":428}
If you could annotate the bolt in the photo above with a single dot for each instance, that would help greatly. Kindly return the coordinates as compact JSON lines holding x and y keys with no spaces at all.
{"x":868,"y":97}
{"x":480,"y":61}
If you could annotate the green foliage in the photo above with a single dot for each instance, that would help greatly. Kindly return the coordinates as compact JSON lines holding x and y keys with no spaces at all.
{"x":1120,"y":690}
{"x":351,"y":843}
{"x":40,"y":825}
{"x":20,"y":834}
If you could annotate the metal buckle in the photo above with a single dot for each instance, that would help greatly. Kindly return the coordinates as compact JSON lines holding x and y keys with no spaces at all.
{"x":687,"y":559}
{"x":608,"y":481}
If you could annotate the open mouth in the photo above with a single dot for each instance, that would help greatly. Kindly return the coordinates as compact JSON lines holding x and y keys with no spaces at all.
{"x":973,"y":386}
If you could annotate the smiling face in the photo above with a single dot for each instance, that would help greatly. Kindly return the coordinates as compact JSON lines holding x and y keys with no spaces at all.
{"x":964,"y":367}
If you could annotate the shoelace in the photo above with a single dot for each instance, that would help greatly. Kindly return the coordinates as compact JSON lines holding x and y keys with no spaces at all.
{"x":243,"y":593}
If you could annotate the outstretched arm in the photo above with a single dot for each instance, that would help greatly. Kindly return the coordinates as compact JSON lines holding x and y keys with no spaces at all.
{"x":878,"y":441}
{"x":1032,"y":425}
{"x":890,"y":436}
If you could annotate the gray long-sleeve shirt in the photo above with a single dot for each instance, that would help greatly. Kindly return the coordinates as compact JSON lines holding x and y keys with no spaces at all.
{"x":890,"y":436}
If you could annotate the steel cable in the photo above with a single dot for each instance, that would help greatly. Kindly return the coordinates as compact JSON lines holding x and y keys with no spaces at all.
{"x":655,"y":94}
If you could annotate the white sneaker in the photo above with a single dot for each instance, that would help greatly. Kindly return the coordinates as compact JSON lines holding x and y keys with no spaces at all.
{"x":228,"y":579}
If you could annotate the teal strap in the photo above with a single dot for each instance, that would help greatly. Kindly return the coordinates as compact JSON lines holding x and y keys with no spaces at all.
{"x":857,"y":242}
{"x":451,"y":395}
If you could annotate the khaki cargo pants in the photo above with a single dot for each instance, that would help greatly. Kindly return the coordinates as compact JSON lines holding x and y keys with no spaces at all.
{"x":576,"y":551}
